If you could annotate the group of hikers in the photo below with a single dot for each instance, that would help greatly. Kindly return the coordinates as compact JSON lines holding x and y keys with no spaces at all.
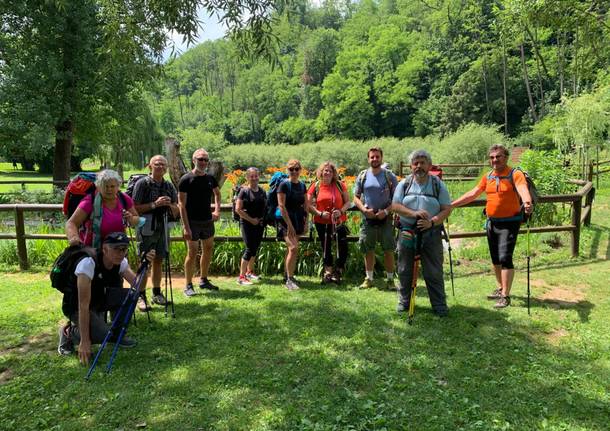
{"x":405,"y":217}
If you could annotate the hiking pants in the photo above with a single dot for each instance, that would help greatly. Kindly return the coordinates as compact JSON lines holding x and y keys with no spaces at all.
{"x":252,"y":236}
{"x":325,"y":234}
{"x":432,"y":266}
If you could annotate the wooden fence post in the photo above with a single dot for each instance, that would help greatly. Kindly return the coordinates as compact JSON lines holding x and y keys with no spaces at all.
{"x":589,"y":204}
{"x":22,"y":251}
{"x":576,"y":211}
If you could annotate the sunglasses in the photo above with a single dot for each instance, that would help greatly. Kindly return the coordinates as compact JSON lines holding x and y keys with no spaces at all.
{"x":203,"y":159}
{"x":294,"y":169}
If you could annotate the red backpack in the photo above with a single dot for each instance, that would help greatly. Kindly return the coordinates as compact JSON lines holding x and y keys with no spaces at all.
{"x":81,"y":185}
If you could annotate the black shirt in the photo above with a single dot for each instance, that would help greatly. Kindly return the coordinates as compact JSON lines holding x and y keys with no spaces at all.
{"x":295,"y":195}
{"x":199,"y":192}
{"x":253,"y":202}
{"x":147,"y":190}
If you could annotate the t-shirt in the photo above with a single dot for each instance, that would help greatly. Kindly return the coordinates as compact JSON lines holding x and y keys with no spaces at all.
{"x":421,"y":197}
{"x":502,"y":198}
{"x":295,"y":195}
{"x":148,"y":190}
{"x":253,"y":202}
{"x":377,"y":193}
{"x":199,"y":190}
{"x":86,"y":267}
{"x":328,"y":198}
{"x":112,"y":219}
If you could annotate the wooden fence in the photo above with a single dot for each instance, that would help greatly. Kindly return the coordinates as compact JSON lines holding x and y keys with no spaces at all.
{"x":581,"y":202}
{"x":448,"y":167}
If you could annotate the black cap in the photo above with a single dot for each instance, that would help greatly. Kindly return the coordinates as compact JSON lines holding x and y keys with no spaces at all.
{"x":116,"y":239}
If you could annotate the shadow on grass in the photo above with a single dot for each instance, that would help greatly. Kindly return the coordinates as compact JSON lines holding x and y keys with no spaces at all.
{"x":322,"y":361}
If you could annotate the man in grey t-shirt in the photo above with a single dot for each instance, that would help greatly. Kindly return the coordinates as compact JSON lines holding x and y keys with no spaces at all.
{"x":373,"y":193}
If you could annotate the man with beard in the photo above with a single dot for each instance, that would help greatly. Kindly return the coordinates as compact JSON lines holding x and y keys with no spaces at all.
{"x":422,"y":201}
{"x":373,"y":193}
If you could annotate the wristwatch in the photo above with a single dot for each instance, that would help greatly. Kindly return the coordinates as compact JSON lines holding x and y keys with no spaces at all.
{"x":152,"y":205}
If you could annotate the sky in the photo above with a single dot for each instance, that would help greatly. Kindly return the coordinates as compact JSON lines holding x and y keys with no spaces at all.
{"x":211,"y":30}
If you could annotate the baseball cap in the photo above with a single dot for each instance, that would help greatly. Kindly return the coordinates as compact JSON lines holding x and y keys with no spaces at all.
{"x":116,"y":239}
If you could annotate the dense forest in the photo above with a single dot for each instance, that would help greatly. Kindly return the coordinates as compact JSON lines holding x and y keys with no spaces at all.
{"x":360,"y":70}
{"x":537,"y":71}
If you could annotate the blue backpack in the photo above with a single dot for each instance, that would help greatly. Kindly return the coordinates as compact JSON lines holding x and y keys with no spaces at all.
{"x":274,"y":184}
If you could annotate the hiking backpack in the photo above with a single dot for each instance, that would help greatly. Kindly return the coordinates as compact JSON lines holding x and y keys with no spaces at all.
{"x":360,"y":180}
{"x":81,"y":185}
{"x":131,"y":183}
{"x":531,"y":186}
{"x":274,"y":184}
{"x":236,"y":191}
{"x":62,"y":272}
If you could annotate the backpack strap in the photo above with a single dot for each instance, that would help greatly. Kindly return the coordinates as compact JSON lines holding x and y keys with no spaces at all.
{"x":96,"y":220}
{"x":388,"y":180}
{"x":360,"y":180}
{"x":436,"y":186}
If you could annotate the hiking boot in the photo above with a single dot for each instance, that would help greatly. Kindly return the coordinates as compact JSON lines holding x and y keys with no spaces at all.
{"x":366,"y":284}
{"x":496,"y":294}
{"x":327,"y":278}
{"x":204,"y":283}
{"x":143,"y":304}
{"x":65,"y":346}
{"x":503,"y":302}
{"x":336,"y":276}
{"x":159,"y":299}
{"x":390,"y":285}
{"x":252,"y":276}
{"x":291,"y":283}
{"x":189,"y":291}
{"x":244,"y":281}
{"x":126,"y":342}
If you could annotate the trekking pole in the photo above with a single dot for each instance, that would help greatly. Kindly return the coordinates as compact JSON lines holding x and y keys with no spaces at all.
{"x":168,"y":267}
{"x":416,"y":259}
{"x":135,"y":253}
{"x":123,"y":313}
{"x":528,"y":265}
{"x":445,"y":231}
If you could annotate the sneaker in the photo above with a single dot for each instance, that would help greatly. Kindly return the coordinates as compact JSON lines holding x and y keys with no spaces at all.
{"x":327,"y":278}
{"x":252,"y":276}
{"x":401,"y":308}
{"x":204,"y":283}
{"x":159,"y":299}
{"x":291,"y":284}
{"x":244,"y":281}
{"x":366,"y":284}
{"x":335,"y":277}
{"x":65,"y":346}
{"x":189,"y":291}
{"x":496,"y":294}
{"x":143,"y":304}
{"x":390,"y":285}
{"x":503,"y":302}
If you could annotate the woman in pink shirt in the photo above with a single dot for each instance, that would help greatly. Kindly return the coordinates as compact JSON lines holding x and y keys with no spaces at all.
{"x":101,"y":213}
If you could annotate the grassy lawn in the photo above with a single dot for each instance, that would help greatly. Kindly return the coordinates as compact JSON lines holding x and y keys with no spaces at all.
{"x":263,"y":358}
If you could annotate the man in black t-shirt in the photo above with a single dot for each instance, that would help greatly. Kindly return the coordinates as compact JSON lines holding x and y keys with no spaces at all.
{"x":195,"y":192}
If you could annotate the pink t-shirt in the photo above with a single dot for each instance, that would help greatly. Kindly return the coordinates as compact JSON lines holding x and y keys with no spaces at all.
{"x":112,"y":220}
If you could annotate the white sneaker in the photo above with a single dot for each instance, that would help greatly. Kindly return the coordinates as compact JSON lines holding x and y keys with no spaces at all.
{"x":291,"y":285}
{"x":252,"y":276}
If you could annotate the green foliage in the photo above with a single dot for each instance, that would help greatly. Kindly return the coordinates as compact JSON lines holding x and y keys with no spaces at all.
{"x":551,"y":178}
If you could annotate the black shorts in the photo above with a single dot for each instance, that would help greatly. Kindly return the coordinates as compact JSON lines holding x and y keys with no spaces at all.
{"x":201,"y":230}
{"x":282,"y":228}
{"x":502,"y":238}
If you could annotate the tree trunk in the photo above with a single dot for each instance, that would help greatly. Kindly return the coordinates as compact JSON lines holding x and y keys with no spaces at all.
{"x":485,"y":85}
{"x":527,"y":84}
{"x":504,"y":89}
{"x":560,"y":62}
{"x":63,"y":149}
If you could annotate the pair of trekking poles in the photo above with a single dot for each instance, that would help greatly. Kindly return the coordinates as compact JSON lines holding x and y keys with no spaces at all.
{"x":120,"y":322}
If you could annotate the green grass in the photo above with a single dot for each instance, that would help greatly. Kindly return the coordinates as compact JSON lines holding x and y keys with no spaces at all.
{"x":262,"y":358}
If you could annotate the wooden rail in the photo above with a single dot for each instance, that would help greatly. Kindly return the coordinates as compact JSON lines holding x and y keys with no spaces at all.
{"x":581,"y":214}
{"x":404,"y":165}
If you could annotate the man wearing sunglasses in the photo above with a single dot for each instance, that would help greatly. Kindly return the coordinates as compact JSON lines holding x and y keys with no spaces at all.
{"x":195,"y":191}
{"x":98,"y":281}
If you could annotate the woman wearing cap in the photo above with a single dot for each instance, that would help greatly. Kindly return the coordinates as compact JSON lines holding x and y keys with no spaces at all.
{"x":292,"y":206}
{"x":107,"y":210}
